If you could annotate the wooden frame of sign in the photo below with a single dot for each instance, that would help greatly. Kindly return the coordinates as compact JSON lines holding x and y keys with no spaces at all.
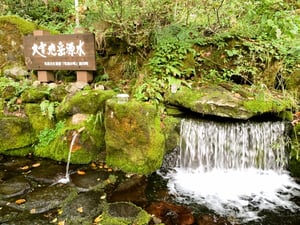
{"x":45,"y":52}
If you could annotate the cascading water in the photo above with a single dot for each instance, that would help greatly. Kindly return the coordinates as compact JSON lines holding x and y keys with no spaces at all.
{"x":234,"y":169}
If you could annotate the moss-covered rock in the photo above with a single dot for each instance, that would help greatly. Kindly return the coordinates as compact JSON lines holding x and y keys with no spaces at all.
{"x":34,"y":94}
{"x":1,"y":107}
{"x":58,"y":93}
{"x":124,"y":213}
{"x":85,"y":140}
{"x":171,"y":129}
{"x":87,"y":101}
{"x":134,"y":139}
{"x":22,"y":25}
{"x":12,"y":31}
{"x":15,"y":132}
{"x":229,"y":102}
{"x":294,"y":154}
{"x":8,"y":92}
{"x":37,"y":120}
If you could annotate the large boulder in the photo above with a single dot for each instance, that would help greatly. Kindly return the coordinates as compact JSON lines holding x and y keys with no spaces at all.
{"x":86,"y":101}
{"x":228,"y":101}
{"x":82,"y":138}
{"x":134,"y":139}
{"x":15,"y":133}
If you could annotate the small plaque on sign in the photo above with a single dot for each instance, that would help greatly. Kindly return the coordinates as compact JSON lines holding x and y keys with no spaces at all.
{"x":60,"y":52}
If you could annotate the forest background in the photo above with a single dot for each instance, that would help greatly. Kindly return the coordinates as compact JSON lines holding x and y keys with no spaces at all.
{"x":192,"y":42}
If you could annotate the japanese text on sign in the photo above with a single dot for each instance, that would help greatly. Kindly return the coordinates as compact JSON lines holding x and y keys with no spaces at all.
{"x":69,"y":49}
{"x":60,"y":52}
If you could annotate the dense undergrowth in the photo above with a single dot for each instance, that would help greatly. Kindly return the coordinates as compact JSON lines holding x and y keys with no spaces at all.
{"x":191,"y":42}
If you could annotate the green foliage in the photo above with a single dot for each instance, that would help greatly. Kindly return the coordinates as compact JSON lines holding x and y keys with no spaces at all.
{"x":55,"y":15}
{"x":11,"y":91}
{"x":171,"y":52}
{"x":96,"y":119}
{"x":23,"y":25}
{"x":264,"y":100}
{"x":48,"y":108}
{"x":151,"y":90}
{"x":48,"y":135}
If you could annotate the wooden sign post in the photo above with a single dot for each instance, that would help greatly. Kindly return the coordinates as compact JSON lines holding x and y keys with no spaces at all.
{"x":44,"y":52}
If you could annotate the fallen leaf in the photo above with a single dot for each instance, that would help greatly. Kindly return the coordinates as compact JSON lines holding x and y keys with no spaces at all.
{"x":36,"y":165}
{"x":20,"y":201}
{"x":103,"y":196}
{"x":98,"y":219}
{"x":80,"y":172}
{"x":109,"y":169}
{"x":80,"y":210}
{"x":24,"y":168}
{"x":93,"y":165}
{"x":61,"y":223}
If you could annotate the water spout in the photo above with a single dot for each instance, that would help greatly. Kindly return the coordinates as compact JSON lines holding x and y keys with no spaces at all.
{"x":66,"y":179}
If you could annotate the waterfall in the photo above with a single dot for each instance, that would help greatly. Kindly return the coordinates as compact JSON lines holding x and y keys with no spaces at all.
{"x":209,"y":145}
{"x":235,"y":169}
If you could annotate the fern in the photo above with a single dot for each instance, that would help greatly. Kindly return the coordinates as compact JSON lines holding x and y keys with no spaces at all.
{"x":48,"y":108}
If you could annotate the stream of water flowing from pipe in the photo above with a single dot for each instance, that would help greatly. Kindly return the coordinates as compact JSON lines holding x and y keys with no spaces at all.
{"x":66,"y":179}
{"x":236,"y":170}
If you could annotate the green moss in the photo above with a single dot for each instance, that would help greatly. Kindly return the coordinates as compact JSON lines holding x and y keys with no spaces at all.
{"x":56,"y":143}
{"x":294,"y":154}
{"x":134,"y":139}
{"x":1,"y":107}
{"x":37,"y":120}
{"x":171,"y":131}
{"x":15,"y":133}
{"x":34,"y":95}
{"x":258,"y":106}
{"x":26,"y":27}
{"x":88,"y":102}
{"x":184,"y":96}
{"x":124,"y":213}
{"x":58,"y":94}
{"x":20,"y":152}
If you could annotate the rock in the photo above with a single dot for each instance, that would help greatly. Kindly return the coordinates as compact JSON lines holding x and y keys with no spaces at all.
{"x":124,"y":213}
{"x":90,"y":180}
{"x":13,"y":187}
{"x":48,"y":172}
{"x":76,"y":86}
{"x":8,"y":92}
{"x":82,"y":209}
{"x":15,"y":132}
{"x":44,"y":199}
{"x":16,"y":72}
{"x":213,"y":220}
{"x":86,"y":102}
{"x":224,"y":101}
{"x":34,"y":95}
{"x":171,"y":214}
{"x":131,"y":190}
{"x":36,"y":118}
{"x":134,"y":139}
{"x":57,"y":92}
{"x":79,"y":118}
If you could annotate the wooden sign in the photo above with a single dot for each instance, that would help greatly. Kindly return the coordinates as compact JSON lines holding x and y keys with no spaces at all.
{"x":60,"y":52}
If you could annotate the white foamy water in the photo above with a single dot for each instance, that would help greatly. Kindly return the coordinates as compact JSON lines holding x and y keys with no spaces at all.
{"x":237,"y":170}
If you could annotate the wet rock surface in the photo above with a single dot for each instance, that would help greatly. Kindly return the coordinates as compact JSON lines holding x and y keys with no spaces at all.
{"x":30,"y":193}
